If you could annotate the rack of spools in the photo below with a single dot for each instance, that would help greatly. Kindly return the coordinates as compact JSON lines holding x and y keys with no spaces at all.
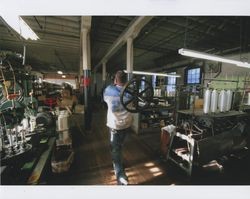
{"x":245,"y":103}
{"x":63,"y":154}
{"x":216,"y":100}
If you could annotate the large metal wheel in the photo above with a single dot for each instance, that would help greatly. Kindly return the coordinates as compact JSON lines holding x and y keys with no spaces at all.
{"x":137,"y":95}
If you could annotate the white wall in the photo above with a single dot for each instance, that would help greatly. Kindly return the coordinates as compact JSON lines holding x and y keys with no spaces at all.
{"x":228,"y":71}
{"x":231,"y":72}
{"x":235,"y":70}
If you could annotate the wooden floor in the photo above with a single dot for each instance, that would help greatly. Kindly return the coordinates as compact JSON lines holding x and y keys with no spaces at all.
{"x":93,"y":166}
{"x":92,"y":163}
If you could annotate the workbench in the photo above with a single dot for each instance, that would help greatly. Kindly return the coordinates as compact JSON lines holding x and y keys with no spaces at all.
{"x":34,"y":170}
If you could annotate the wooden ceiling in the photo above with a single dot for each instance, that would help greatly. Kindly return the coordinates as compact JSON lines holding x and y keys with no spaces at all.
{"x":156,"y":45}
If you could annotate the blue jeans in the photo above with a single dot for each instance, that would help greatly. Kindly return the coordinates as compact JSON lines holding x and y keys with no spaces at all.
{"x":117,"y":138}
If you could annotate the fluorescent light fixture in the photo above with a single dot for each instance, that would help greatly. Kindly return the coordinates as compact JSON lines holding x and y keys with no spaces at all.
{"x":59,"y":72}
{"x":195,"y":54}
{"x":20,"y":26}
{"x":151,"y":73}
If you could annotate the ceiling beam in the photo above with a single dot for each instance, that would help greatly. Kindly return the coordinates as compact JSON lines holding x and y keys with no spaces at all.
{"x":132,"y":31}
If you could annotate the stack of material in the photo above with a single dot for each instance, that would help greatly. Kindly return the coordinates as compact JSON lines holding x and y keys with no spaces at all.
{"x":64,"y":138}
{"x":63,"y":129}
{"x":63,"y":155}
{"x":79,"y":109}
{"x":62,"y":160}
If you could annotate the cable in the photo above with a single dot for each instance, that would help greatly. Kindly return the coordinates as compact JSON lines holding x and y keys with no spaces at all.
{"x":185,"y":36}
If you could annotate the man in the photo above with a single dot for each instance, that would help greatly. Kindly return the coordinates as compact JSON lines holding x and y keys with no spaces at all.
{"x":119,"y":121}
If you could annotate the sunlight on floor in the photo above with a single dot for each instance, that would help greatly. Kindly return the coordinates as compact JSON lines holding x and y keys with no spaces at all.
{"x":157,"y":174}
{"x":149,"y":164}
{"x":154,"y":169}
{"x":137,"y":174}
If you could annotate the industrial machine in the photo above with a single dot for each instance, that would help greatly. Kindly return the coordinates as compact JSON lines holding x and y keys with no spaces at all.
{"x":22,"y":127}
{"x":198,"y":135}
{"x":202,"y":136}
{"x":13,"y":125}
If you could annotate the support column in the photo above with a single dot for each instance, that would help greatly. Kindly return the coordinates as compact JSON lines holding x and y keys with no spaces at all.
{"x":104,"y":74}
{"x":85,"y":29}
{"x":95,"y":85}
{"x":80,"y":74}
{"x":130,"y":57}
{"x":86,"y":67}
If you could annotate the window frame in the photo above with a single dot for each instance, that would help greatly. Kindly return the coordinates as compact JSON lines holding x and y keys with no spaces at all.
{"x":173,"y":86}
{"x":186,"y":74}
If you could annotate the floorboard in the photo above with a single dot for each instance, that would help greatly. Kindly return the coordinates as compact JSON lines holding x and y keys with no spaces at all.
{"x":92,"y":163}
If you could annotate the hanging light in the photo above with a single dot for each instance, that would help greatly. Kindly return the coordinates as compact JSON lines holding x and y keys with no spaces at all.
{"x":196,"y":54}
{"x":152,"y":73}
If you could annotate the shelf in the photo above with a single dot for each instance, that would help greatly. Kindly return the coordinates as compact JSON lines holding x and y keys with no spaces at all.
{"x":152,"y":116}
{"x":156,"y":118}
{"x":158,"y":108}
{"x":199,"y":112}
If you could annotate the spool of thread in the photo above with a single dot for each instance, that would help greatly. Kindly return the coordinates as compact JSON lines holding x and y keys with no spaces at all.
{"x":10,"y":138}
{"x":1,"y":145}
{"x":214,"y":101}
{"x":222,"y":101}
{"x":25,"y":123}
{"x":229,"y":95}
{"x":32,"y":123}
{"x":207,"y":98}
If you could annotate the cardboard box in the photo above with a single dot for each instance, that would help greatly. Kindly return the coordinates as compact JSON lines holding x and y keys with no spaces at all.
{"x":79,"y":108}
{"x":41,"y":98}
{"x":66,"y":102}
{"x":198,"y":103}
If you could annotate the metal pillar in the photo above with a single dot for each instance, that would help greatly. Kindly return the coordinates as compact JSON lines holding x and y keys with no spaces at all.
{"x":130,"y":57}
{"x":80,"y":74}
{"x":95,"y":85}
{"x":85,"y":29}
{"x":104,"y":74}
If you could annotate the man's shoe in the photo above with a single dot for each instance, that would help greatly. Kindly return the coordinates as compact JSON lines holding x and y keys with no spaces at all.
{"x":122,"y":181}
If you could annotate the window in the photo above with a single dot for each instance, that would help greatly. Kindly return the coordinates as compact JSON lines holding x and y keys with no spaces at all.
{"x":171,"y":84}
{"x":154,"y":78}
{"x":193,"y":76}
{"x":143,"y":83}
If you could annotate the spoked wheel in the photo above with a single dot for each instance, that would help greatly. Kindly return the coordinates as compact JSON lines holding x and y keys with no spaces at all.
{"x":137,"y":95}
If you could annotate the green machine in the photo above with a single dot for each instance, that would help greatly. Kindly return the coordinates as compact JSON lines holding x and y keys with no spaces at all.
{"x":17,"y":106}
